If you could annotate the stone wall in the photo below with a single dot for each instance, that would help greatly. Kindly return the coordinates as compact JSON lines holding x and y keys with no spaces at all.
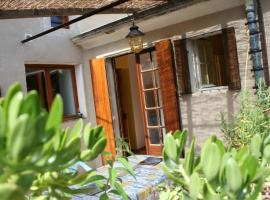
{"x":201,"y":111}
{"x":266,"y":15}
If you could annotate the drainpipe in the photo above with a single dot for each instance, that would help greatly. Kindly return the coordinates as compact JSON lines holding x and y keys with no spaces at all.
{"x":263,"y":44}
{"x":254,"y":39}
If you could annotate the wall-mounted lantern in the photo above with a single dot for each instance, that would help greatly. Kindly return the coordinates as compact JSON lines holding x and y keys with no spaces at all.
{"x":135,"y":39}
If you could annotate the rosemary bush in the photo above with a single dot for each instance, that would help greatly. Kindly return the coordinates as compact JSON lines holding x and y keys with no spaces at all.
{"x":253,"y":118}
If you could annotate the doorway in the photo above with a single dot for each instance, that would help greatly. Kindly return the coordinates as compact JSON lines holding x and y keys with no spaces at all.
{"x":128,"y":102}
{"x":139,"y":101}
{"x":139,"y":94}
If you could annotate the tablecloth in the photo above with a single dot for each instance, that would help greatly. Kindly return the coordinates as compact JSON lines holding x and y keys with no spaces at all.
{"x":144,"y":187}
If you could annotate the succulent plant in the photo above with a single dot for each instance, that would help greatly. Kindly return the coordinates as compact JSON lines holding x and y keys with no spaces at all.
{"x":217,"y":172}
{"x":35,"y":152}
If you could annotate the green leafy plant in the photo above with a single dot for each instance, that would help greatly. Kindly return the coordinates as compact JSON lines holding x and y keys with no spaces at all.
{"x":217,"y":172}
{"x":253,"y":118}
{"x":122,"y":147}
{"x":36,"y":153}
{"x":263,"y":97}
{"x":113,"y":183}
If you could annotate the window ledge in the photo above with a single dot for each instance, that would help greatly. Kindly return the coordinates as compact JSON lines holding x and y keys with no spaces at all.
{"x":71,"y":118}
{"x":213,"y":88}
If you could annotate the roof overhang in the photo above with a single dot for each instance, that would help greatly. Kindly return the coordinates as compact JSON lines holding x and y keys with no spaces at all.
{"x":153,"y":19}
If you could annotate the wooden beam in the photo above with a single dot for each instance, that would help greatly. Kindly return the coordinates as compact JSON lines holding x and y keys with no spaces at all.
{"x":30,"y":13}
{"x":94,"y":12}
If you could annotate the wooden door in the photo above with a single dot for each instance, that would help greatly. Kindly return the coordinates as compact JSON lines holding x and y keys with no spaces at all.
{"x":102,"y":101}
{"x":151,"y":101}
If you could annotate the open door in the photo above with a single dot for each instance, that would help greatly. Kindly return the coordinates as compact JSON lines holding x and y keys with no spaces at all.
{"x":151,"y":101}
{"x":159,"y":99}
{"x":102,"y":101}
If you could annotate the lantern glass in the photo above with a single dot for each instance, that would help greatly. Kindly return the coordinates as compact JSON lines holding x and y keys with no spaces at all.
{"x":136,"y":43}
{"x":135,"y":39}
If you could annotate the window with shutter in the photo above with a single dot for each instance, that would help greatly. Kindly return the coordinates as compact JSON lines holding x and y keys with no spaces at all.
{"x":212,"y":61}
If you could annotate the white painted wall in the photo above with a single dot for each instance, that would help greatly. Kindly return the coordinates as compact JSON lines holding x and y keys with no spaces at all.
{"x":54,"y":48}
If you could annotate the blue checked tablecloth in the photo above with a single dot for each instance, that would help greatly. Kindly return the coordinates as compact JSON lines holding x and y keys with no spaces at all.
{"x":144,"y":187}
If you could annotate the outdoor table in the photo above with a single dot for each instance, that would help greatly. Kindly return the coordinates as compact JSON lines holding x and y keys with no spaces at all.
{"x":144,"y":187}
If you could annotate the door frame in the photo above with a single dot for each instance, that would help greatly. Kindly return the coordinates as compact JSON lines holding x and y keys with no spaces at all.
{"x":117,"y":96}
{"x":142,"y":115}
{"x":155,"y":149}
{"x":139,"y":82}
{"x":172,"y":118}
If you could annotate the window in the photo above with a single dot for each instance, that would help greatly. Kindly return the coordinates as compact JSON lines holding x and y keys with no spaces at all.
{"x":52,"y":80}
{"x":209,"y":61}
{"x":58,"y":20}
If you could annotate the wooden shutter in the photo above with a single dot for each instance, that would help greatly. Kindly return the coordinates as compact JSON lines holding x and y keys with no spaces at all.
{"x":167,"y":84}
{"x":102,"y":101}
{"x":182,"y":68}
{"x":231,"y":58}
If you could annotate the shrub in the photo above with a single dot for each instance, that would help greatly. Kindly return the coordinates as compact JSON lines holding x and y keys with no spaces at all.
{"x":252,"y":119}
{"x":35,"y":153}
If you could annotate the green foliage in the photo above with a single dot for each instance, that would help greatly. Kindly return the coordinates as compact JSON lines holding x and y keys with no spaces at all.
{"x":122,"y":147}
{"x":35,"y":152}
{"x":263,"y":97}
{"x":113,"y":186}
{"x":252,"y":119}
{"x":170,"y":192}
{"x":217,"y":172}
